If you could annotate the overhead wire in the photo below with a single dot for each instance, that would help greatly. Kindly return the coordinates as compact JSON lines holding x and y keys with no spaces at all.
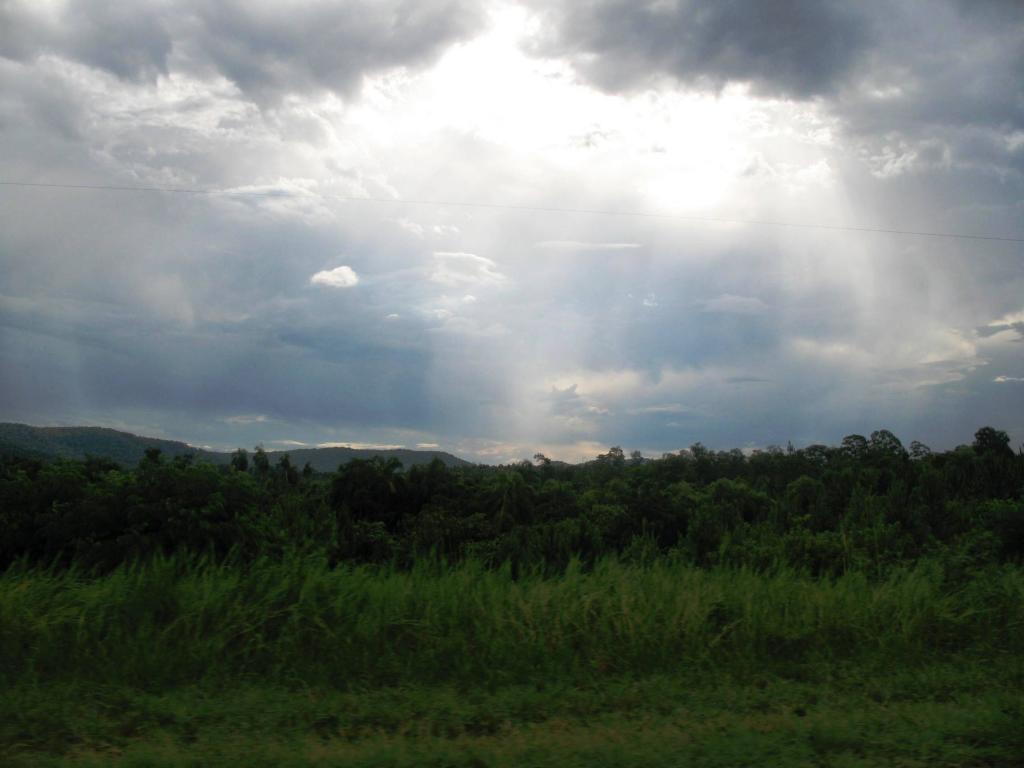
{"x":515,"y":207}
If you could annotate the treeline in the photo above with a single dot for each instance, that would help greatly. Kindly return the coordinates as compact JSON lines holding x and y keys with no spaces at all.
{"x":864,"y":505}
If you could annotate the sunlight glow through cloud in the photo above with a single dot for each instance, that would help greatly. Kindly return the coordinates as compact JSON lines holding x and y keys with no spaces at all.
{"x":483,"y":309}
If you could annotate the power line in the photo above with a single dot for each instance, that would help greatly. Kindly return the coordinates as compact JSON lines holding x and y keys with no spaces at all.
{"x":512,"y":207}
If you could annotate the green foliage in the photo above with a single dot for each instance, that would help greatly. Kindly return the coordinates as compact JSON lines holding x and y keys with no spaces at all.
{"x":641,"y":660}
{"x":962,"y":714}
{"x":184,"y":619}
{"x":827,"y":606}
{"x":867,"y":504}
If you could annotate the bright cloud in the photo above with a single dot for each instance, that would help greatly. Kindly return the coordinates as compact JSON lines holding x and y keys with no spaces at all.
{"x":577,"y":245}
{"x":455,"y":268}
{"x":339,"y":277}
{"x":254,"y":418}
{"x":362,"y":446}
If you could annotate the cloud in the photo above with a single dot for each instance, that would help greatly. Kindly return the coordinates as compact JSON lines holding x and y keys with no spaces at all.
{"x":579,"y":245}
{"x":575,"y":411}
{"x":161,"y":311}
{"x":735,"y":305}
{"x":253,"y":418}
{"x":656,"y":409}
{"x":412,"y":227}
{"x":339,"y":277}
{"x":130,"y":42}
{"x":363,"y":446}
{"x":266,"y":49}
{"x":1009,"y":325}
{"x":1010,"y":318}
{"x":878,"y":73}
{"x":456,"y":268}
{"x":1006,"y":379}
{"x":796,"y":48}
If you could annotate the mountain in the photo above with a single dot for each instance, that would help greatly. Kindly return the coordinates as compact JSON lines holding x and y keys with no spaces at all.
{"x":127,"y":449}
{"x":328,"y":459}
{"x":78,"y":442}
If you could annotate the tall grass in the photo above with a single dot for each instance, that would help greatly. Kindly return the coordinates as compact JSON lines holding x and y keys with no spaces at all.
{"x":181,"y":620}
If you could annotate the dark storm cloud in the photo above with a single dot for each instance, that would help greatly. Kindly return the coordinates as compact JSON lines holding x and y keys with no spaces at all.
{"x":323,"y":46}
{"x":888,"y":64}
{"x":110,"y":356}
{"x":943,"y":87}
{"x":971,"y":53}
{"x":43,"y":108}
{"x":150,"y":317}
{"x":567,"y":403}
{"x":796,"y":48}
{"x":267,"y":49}
{"x":129,"y":40}
{"x":931,"y":90}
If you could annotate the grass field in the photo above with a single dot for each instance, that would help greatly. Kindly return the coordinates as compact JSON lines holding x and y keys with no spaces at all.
{"x":184,"y":662}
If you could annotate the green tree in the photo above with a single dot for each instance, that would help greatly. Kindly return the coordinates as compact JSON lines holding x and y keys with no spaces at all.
{"x":919,"y":451}
{"x":260,"y":462}
{"x":994,"y":441}
{"x":854,"y":447}
{"x":240,"y":460}
{"x":885,"y":443}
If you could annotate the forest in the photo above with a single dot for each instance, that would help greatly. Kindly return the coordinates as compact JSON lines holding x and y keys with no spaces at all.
{"x":869,"y":503}
{"x":843,"y":606}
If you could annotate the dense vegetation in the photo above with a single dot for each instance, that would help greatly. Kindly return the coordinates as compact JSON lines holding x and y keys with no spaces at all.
{"x":866,"y":504}
{"x":183,"y":661}
{"x":127,"y":450}
{"x":849,"y":606}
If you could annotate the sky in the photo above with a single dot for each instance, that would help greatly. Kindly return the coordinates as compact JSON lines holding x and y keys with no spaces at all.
{"x":503,"y":228}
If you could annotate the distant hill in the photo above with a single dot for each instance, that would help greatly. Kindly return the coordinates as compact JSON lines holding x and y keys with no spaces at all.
{"x":127,"y":449}
{"x":328,"y":459}
{"x":78,"y":442}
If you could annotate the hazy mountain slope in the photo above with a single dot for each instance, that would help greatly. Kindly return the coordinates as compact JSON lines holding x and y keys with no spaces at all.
{"x":127,"y":449}
{"x":78,"y":442}
{"x":328,"y":459}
